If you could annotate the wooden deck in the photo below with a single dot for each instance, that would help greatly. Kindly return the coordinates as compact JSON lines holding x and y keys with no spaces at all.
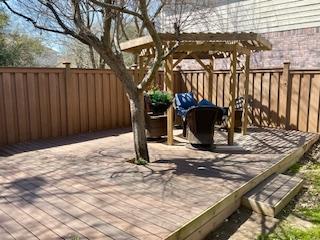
{"x":83,"y":186}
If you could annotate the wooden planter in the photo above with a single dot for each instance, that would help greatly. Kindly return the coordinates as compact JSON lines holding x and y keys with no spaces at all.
{"x":156,"y":125}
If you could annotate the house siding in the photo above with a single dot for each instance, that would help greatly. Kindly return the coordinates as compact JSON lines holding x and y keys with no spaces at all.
{"x":292,"y":26}
{"x":259,"y":16}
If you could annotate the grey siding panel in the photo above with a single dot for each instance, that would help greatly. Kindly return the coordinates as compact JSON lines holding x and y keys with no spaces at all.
{"x":254,"y":15}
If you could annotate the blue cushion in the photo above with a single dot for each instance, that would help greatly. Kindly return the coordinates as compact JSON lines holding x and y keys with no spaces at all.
{"x":181,"y":112}
{"x":205,"y":102}
{"x":185,"y":100}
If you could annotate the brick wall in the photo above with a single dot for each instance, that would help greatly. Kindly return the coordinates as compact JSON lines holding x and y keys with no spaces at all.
{"x":301,"y":47}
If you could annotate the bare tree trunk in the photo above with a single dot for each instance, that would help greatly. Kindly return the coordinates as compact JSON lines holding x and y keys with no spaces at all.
{"x":93,"y":60}
{"x":138,"y":126}
{"x":102,"y":63}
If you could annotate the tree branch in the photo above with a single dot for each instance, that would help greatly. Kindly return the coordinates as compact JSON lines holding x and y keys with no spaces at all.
{"x":158,"y":47}
{"x":117,"y":8}
{"x":34,"y":22}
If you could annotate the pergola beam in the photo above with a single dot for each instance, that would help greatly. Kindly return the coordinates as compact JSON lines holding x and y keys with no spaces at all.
{"x":205,"y":67}
{"x":136,"y":45}
{"x":180,"y":59}
{"x":243,"y":50}
{"x":186,"y":49}
{"x":208,"y":46}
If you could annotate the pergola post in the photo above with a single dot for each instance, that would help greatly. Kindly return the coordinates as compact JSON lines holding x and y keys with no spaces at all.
{"x":168,"y":76}
{"x":245,"y":113}
{"x":210,"y":79}
{"x":233,"y":79}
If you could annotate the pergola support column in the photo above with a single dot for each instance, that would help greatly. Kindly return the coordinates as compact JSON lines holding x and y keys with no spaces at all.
{"x":168,"y":71}
{"x":233,"y":79}
{"x":210,"y":79}
{"x":245,"y":116}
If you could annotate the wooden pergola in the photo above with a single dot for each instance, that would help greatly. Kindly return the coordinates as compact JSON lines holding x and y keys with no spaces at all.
{"x":203,"y":46}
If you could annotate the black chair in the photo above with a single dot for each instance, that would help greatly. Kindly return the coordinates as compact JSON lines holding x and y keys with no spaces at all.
{"x":200,"y":124}
{"x":238,"y":114}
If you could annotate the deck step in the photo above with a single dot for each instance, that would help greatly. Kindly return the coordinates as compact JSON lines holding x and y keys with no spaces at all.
{"x":273,"y":194}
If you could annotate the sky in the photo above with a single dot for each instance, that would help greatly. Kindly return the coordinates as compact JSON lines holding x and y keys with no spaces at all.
{"x":54,"y":41}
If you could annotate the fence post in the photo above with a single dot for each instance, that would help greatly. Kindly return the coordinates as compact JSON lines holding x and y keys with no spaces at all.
{"x":67,"y":77}
{"x":288,"y":80}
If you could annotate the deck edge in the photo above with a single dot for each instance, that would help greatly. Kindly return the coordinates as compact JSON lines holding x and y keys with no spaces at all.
{"x":194,"y":228}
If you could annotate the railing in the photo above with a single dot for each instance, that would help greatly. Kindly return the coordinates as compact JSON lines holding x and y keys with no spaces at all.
{"x":280,"y":97}
{"x":39,"y":103}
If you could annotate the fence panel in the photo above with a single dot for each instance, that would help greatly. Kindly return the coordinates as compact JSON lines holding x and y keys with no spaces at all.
{"x":269,"y":91}
{"x":38,"y":103}
{"x":42,"y":103}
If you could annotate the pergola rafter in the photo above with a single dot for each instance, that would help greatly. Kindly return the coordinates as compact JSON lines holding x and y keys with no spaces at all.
{"x":203,"y":46}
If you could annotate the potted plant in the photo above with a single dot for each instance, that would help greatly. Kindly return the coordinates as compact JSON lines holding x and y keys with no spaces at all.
{"x":158,"y":101}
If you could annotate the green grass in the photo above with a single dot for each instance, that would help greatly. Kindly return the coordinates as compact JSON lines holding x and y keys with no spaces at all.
{"x":310,"y":214}
{"x":295,"y":168}
{"x":313,"y":175}
{"x":286,"y":232}
{"x":310,"y":172}
{"x":307,"y":208}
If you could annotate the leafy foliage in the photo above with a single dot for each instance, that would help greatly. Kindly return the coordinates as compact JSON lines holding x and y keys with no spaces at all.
{"x":158,"y":96}
{"x":140,"y":161}
{"x":17,"y":49}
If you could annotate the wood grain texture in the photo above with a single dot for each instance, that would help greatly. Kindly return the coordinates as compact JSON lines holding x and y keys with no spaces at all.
{"x":88,"y":189}
{"x":47,"y":102}
{"x":269,"y":91}
{"x":42,"y":103}
{"x":270,"y":196}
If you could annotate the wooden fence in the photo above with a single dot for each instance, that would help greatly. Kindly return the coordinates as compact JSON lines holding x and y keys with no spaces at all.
{"x":278,"y":97}
{"x":40,"y":103}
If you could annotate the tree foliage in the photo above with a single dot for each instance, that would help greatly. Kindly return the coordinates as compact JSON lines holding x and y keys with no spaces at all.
{"x":17,"y":49}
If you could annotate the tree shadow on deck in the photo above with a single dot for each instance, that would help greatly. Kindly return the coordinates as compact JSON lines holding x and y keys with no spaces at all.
{"x":24,"y":190}
{"x":59,"y":141}
{"x":267,"y":140}
{"x":278,"y":142}
{"x":219,"y":167}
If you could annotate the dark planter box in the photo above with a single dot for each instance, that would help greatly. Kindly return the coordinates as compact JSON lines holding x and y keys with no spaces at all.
{"x":159,"y":108}
{"x":156,"y":126}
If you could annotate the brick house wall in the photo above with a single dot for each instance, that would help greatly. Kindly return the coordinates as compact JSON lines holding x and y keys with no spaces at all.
{"x":300,"y":47}
{"x":292,"y":26}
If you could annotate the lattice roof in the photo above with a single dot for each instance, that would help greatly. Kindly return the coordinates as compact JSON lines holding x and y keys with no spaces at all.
{"x":203,"y":44}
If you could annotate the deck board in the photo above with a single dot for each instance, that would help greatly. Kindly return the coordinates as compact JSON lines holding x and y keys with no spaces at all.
{"x":84,"y":186}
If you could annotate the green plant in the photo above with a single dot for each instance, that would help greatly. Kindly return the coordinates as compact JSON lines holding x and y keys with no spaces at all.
{"x":157,"y":96}
{"x":140,"y":161}
{"x":287,"y":232}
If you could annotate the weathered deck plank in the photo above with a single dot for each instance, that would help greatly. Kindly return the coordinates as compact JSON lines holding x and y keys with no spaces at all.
{"x":270,"y":198}
{"x":82,"y":185}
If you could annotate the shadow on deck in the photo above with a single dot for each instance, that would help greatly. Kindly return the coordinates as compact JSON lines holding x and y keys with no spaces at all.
{"x":83,"y":185}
